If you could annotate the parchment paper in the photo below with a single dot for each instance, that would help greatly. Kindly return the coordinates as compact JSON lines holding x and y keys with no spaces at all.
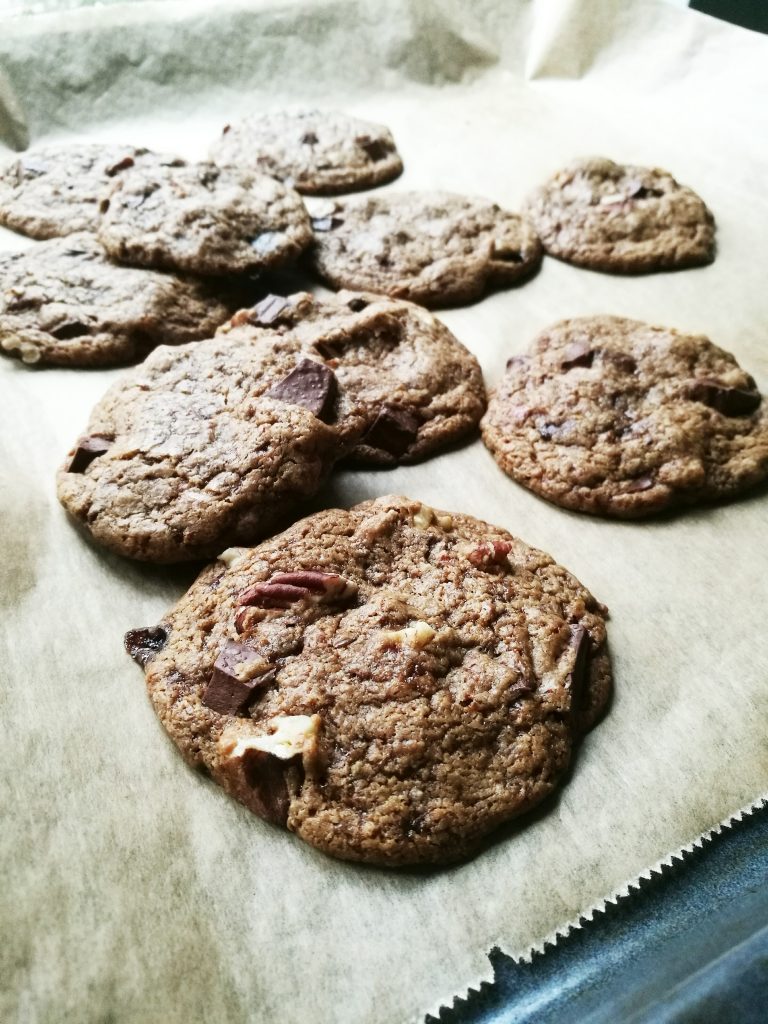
{"x":133,"y":889}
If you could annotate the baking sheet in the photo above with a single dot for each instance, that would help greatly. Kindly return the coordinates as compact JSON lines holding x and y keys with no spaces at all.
{"x":134,"y":889}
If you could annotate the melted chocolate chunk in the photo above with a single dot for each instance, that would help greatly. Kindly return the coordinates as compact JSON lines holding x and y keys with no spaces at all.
{"x":309,"y":139}
{"x":357,"y":305}
{"x":641,"y":483}
{"x":268,"y":310}
{"x":311,"y":385}
{"x":69,"y":330}
{"x":88,"y":449}
{"x":265,"y":774}
{"x":394,"y":430}
{"x":729,"y":401}
{"x":121,"y":165}
{"x":143,"y":644}
{"x":580,"y":639}
{"x":375,"y":149}
{"x":577,"y":354}
{"x":227,"y":693}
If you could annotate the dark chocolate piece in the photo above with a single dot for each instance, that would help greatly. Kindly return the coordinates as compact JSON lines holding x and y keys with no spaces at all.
{"x":70,"y":329}
{"x":375,"y":149}
{"x":311,"y":385}
{"x":729,"y":401}
{"x":577,"y":354}
{"x":394,"y":430}
{"x":580,"y":639}
{"x":121,"y":165}
{"x":265,"y":774}
{"x":226,"y":693}
{"x":88,"y":449}
{"x":357,"y":305}
{"x":143,"y":644}
{"x":309,"y":139}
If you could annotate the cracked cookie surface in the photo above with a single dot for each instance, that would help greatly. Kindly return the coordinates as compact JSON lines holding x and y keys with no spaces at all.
{"x":55,"y":190}
{"x":202,"y":219}
{"x":434,"y":248}
{"x":64,"y":303}
{"x":620,"y":418}
{"x":390,"y":682}
{"x":621,"y":218}
{"x":317,"y":152}
{"x":418,"y":387}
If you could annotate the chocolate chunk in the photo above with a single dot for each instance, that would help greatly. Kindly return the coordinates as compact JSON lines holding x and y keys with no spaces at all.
{"x":268,"y":310}
{"x":229,"y":690}
{"x":577,"y":677}
{"x":508,"y":255}
{"x":88,"y":449}
{"x":577,"y":354}
{"x":729,"y":401}
{"x":326,"y":223}
{"x":637,"y":190}
{"x":265,"y":774}
{"x":357,"y":305}
{"x":311,"y":385}
{"x":120,"y":165}
{"x":394,"y":430}
{"x":375,"y":149}
{"x":70,"y":329}
{"x":621,"y":360}
{"x":640,"y":483}
{"x":143,"y":644}
{"x":309,"y":139}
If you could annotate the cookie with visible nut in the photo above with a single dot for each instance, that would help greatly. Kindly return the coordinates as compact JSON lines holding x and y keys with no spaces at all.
{"x":619,"y":418}
{"x":317,"y":152}
{"x":621,"y":219}
{"x":417,"y":387}
{"x":434,"y":248}
{"x":391,"y":683}
{"x":55,"y":191}
{"x":202,"y":219}
{"x":63,"y":303}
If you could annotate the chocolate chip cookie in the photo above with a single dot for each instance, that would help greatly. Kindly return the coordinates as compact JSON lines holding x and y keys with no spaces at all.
{"x":418,"y":388}
{"x":616,"y":417}
{"x":205,"y":445}
{"x":202,"y":219}
{"x":434,"y":248}
{"x":391,"y":682}
{"x":63,"y":303}
{"x":621,"y":219}
{"x":55,"y":191}
{"x":317,"y":152}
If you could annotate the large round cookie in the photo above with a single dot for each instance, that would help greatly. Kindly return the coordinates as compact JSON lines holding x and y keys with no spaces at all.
{"x":621,"y":219}
{"x":434,"y":248}
{"x":316,"y":152}
{"x":418,"y":387}
{"x":203,"y":219}
{"x":619,"y":418}
{"x":205,"y":445}
{"x":63,"y":303}
{"x":390,"y":682}
{"x":55,"y":190}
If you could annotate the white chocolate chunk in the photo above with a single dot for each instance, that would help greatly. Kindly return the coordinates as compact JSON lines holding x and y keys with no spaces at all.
{"x":292,"y":734}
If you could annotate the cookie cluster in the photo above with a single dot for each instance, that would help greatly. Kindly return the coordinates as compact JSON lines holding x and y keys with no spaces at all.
{"x":391,"y":682}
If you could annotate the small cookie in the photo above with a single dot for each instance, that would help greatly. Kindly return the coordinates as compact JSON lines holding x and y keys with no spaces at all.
{"x":391,"y":683}
{"x":434,"y":248}
{"x":621,"y":219}
{"x":416,"y":385}
{"x":619,"y":418}
{"x":63,"y":303}
{"x":55,"y":191}
{"x":316,"y":152}
{"x":205,"y":445}
{"x":203,"y":219}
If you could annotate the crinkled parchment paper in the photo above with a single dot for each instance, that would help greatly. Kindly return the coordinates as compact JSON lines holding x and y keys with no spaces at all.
{"x":133,"y":889}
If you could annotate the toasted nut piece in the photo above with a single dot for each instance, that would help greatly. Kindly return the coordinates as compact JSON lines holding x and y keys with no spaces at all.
{"x":418,"y":635}
{"x":232,"y":555}
{"x":426,"y":516}
{"x":492,"y":552}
